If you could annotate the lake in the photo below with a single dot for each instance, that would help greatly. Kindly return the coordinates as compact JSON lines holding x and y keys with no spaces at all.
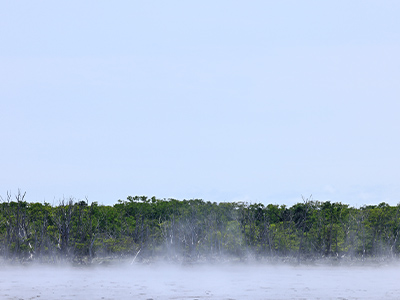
{"x":160,"y":281}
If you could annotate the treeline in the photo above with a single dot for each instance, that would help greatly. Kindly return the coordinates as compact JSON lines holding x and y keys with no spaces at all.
{"x":191,"y":230}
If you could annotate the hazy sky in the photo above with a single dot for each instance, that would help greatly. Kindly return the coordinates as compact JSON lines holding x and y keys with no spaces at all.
{"x":262,"y":101}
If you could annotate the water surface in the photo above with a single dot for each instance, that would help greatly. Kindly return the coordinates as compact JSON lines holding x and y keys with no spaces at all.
{"x":200,"y":282}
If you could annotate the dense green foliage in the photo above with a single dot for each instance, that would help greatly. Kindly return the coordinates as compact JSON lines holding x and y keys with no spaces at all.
{"x":194,"y":230}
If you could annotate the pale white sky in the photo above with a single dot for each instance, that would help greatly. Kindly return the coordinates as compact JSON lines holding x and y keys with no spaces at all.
{"x":262,"y":101}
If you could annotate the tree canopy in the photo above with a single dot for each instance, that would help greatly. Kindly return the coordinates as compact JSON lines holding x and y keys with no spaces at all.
{"x":193,"y":230}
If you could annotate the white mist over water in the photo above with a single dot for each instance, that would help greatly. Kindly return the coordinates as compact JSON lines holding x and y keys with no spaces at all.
{"x":200,"y":282}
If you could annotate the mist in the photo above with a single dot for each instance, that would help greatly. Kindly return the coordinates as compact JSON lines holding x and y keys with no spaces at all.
{"x":169,"y":249}
{"x":222,"y":281}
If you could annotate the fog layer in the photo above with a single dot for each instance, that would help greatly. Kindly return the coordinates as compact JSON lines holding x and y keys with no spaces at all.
{"x":200,"y":282}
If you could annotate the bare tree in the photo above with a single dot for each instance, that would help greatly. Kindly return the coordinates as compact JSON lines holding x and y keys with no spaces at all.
{"x":63,"y":219}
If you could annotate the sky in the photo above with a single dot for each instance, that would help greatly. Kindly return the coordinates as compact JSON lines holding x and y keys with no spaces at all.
{"x":256,"y":101}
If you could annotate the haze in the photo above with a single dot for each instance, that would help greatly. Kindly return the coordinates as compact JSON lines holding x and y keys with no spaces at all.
{"x":200,"y":282}
{"x":225,"y":101}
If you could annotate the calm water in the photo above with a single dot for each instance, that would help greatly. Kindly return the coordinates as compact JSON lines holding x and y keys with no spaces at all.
{"x":200,"y":282}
